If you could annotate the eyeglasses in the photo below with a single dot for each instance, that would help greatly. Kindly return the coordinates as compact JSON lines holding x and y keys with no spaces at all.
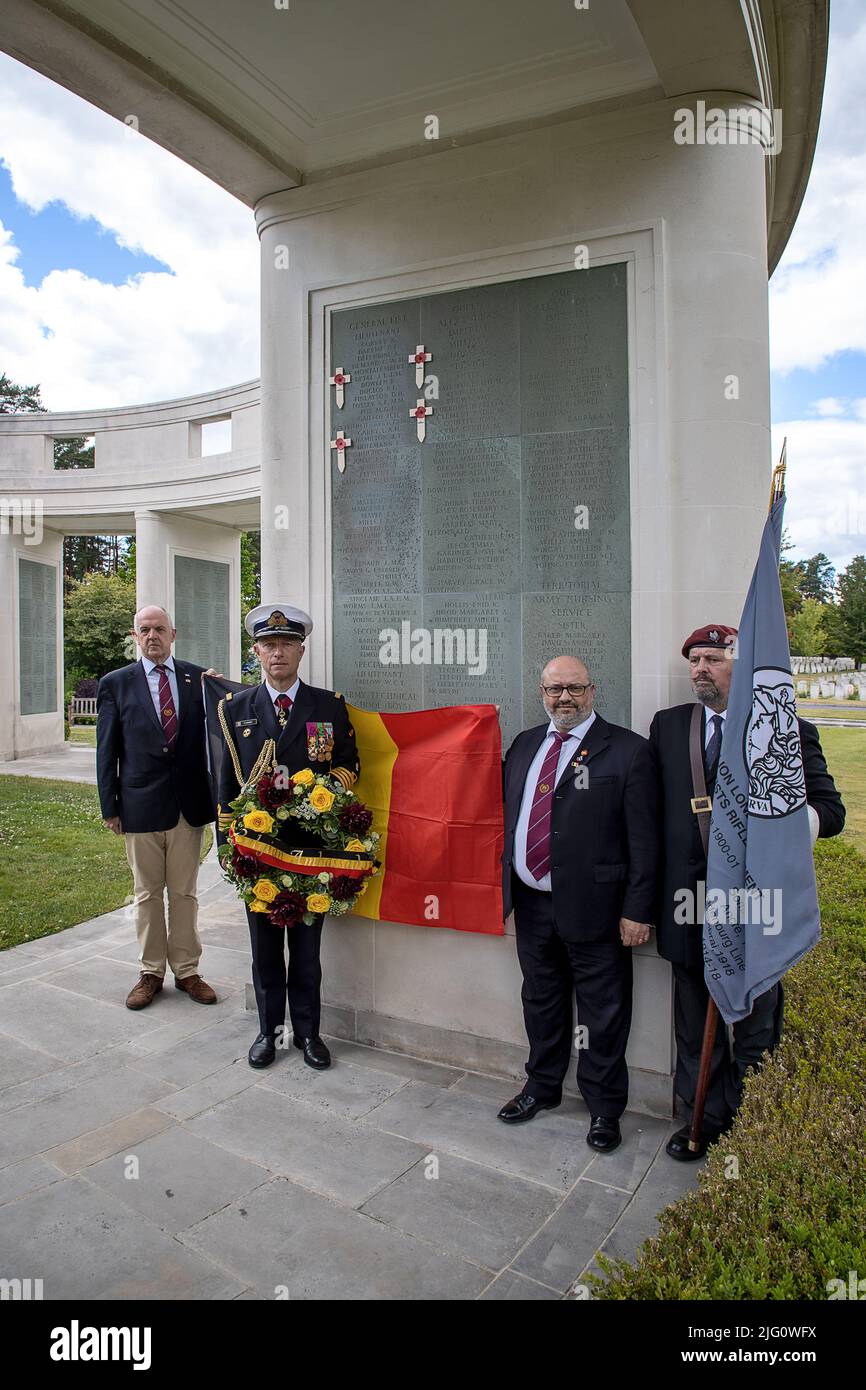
{"x":554,"y":691}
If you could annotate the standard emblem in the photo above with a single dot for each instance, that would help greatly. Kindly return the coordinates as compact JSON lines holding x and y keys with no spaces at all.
{"x":713,"y":634}
{"x":771,"y":747}
{"x":278,"y":619}
{"x":320,"y":742}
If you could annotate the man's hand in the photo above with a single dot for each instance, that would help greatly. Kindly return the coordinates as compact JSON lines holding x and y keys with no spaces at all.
{"x":211,"y":672}
{"x":113,"y":824}
{"x":633,"y":933}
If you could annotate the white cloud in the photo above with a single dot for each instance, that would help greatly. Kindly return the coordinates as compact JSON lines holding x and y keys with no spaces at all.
{"x":160,"y":335}
{"x":826,"y":487}
{"x":829,"y":405}
{"x":819,"y":289}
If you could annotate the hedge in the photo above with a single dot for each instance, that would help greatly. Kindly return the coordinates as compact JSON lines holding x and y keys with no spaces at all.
{"x":795,"y":1216}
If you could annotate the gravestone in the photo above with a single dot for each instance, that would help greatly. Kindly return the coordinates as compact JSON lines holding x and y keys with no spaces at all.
{"x":510,"y":523}
{"x":37,"y":637}
{"x":201,"y":600}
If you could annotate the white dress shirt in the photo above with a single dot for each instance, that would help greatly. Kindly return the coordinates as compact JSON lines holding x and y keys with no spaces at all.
{"x":292,"y":692}
{"x":710,"y":714}
{"x":153,"y":684}
{"x":570,"y":746}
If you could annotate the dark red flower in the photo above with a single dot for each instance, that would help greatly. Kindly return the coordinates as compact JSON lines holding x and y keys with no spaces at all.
{"x":355,"y":819}
{"x":270,"y":795}
{"x":244,"y":866}
{"x":288,"y":908}
{"x":343,"y":887}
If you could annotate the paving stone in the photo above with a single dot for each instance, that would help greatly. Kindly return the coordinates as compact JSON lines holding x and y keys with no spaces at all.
{"x":181,"y":1178}
{"x":284,"y":1236}
{"x":562,"y":1248}
{"x":85,"y":1244}
{"x":217,"y":963}
{"x":179,"y":1018}
{"x":97,"y":977}
{"x":24,"y":1177}
{"x":549,"y":1150}
{"x":626,"y":1167}
{"x":471,"y":1211}
{"x":341,"y":1090}
{"x":201,"y":1053}
{"x":340,"y":1158}
{"x":109,"y":1139}
{"x":396,"y":1063}
{"x":18,"y":1062}
{"x":509,"y":1285}
{"x":62,"y":1079}
{"x":202,"y":1095}
{"x":46,"y":1017}
{"x":31,"y":1129}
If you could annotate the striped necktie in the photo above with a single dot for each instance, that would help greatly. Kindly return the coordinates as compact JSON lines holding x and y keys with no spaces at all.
{"x":283,"y":703}
{"x":538,"y":830}
{"x":167,"y":711}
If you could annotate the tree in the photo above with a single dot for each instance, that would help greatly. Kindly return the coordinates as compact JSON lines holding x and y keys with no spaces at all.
{"x":15,"y":398}
{"x":74,"y":452}
{"x":808,"y":634}
{"x":98,"y":615}
{"x":819,"y":578}
{"x":851,"y":608}
{"x":251,"y":585}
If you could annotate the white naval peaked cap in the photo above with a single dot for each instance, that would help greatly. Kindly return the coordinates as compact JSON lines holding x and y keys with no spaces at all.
{"x":278,"y":620}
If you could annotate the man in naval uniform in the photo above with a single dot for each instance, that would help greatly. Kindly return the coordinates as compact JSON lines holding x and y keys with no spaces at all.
{"x":709,"y":652}
{"x":311,"y":728}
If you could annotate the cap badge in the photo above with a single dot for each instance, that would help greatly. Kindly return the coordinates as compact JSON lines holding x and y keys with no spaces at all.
{"x":278,"y":619}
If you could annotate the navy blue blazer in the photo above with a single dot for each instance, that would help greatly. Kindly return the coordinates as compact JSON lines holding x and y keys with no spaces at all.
{"x":604,"y":835}
{"x":140,"y":778}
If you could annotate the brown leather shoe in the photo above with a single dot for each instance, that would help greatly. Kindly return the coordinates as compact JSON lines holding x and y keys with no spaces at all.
{"x":144,"y":992}
{"x":195,"y":987}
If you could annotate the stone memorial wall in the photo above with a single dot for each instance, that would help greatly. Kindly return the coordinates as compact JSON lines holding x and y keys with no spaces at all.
{"x":507,"y":529}
{"x":37,"y":633}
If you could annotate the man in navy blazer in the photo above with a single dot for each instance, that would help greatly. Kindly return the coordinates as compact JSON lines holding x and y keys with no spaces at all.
{"x":580,"y":870}
{"x":154,"y":789}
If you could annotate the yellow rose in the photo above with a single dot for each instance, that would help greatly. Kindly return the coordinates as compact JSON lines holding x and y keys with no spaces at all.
{"x":265,"y":890}
{"x":304,"y":777}
{"x":321,"y":798}
{"x":318,"y":902}
{"x":356,"y":845}
{"x":257,"y":906}
{"x":259,"y":820}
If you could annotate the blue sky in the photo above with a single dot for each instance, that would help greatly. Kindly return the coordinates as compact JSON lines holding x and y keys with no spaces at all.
{"x":126,"y":276}
{"x":54,"y":239}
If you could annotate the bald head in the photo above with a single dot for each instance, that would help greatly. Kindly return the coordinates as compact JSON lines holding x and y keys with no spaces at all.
{"x":567,"y":691}
{"x":153,"y":631}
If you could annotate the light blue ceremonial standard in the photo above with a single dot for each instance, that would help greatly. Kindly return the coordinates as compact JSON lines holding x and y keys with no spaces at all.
{"x":762,"y":911}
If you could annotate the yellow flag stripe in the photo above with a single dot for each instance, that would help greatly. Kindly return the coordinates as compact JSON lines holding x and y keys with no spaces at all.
{"x":378,"y":754}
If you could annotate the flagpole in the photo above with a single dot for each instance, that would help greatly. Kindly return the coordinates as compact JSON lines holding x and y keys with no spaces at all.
{"x":711,"y":1023}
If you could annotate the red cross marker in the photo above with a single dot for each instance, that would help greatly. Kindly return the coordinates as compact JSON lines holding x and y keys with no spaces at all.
{"x":419,"y":413}
{"x":419,"y":357}
{"x":340,"y":379}
{"x":341,"y":444}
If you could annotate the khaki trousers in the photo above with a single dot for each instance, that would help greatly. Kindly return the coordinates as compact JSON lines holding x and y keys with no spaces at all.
{"x":166,"y":860}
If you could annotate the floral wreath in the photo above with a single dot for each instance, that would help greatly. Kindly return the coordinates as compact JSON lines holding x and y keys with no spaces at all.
{"x":293,"y":885}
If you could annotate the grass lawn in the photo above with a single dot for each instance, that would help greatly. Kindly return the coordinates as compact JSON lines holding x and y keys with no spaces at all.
{"x":82,"y":733}
{"x":823,"y":709}
{"x":845,"y":751}
{"x":58,"y":864}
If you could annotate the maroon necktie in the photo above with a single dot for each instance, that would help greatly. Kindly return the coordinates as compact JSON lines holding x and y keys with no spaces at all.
{"x":538,"y":830}
{"x":283,"y":703}
{"x":167,"y":711}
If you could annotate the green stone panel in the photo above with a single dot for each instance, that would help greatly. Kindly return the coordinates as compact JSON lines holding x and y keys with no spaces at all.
{"x":202,"y":608}
{"x":37,"y":637}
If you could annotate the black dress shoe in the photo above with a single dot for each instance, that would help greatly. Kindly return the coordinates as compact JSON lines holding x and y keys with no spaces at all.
{"x":678,"y":1145}
{"x":523,"y":1107}
{"x":604,"y":1134}
{"x":262,"y":1052}
{"x":315,"y":1053}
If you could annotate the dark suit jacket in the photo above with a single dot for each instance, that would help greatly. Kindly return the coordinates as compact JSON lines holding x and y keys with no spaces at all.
{"x":251,"y":719}
{"x":604,"y":837}
{"x":684,"y":861}
{"x":140,"y":778}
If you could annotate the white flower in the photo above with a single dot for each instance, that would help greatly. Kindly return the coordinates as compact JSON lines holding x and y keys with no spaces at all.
{"x":323,"y":877}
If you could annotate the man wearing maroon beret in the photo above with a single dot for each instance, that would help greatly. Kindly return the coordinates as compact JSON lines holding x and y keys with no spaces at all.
{"x":710,"y":651}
